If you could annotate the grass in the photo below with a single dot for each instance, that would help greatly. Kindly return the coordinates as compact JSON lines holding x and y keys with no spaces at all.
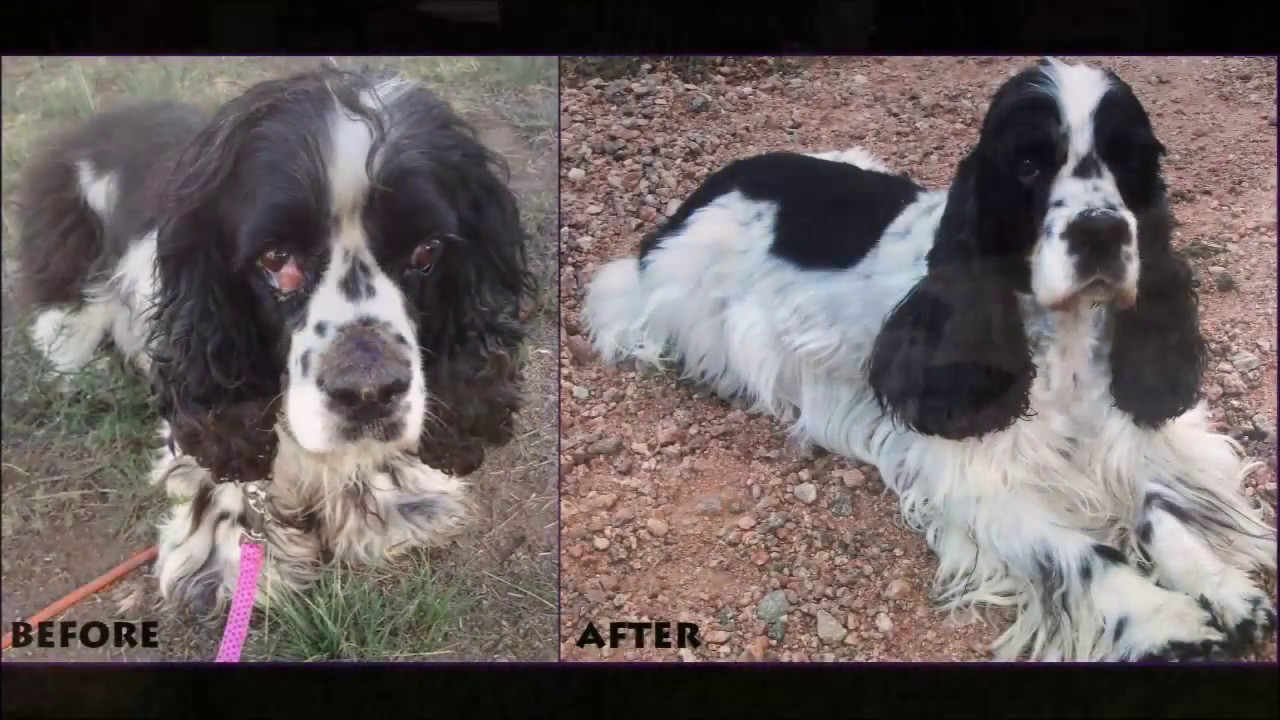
{"x":83,"y":443}
{"x":361,"y":615}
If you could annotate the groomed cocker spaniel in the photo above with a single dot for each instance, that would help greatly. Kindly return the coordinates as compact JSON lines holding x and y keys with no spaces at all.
{"x":323,"y":281}
{"x":1019,"y":355}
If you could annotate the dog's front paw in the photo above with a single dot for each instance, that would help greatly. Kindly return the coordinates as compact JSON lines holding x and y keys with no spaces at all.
{"x":1178,"y":629}
{"x":1247,"y":616}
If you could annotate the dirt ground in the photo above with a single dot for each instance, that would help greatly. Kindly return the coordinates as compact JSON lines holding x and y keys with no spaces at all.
{"x":76,"y":502}
{"x":675,"y":506}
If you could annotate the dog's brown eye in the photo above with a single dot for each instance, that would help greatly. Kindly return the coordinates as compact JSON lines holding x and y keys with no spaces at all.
{"x":425,"y":255}
{"x":1028,"y":172}
{"x":273,"y":261}
{"x":284,"y":271}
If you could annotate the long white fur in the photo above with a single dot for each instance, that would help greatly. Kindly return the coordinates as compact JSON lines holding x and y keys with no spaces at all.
{"x":794,"y":342}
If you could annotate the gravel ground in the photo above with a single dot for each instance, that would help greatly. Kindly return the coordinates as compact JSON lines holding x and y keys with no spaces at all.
{"x":677,"y":506}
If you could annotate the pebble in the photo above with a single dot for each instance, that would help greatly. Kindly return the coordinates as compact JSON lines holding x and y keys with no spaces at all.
{"x":579,"y":348}
{"x":1222,"y":279}
{"x":746,"y":522}
{"x":710,"y":505}
{"x":605,"y":446}
{"x":604,"y":502}
{"x":829,"y":629}
{"x":600,"y":543}
{"x":580,"y":393}
{"x":772,"y":606}
{"x":577,"y":174}
{"x":883,"y":623}
{"x":657,"y":527}
{"x":672,"y":206}
{"x":806,"y":493}
{"x":852,"y":477}
{"x":1263,"y":424}
{"x":1246,"y":361}
{"x":699,"y":103}
{"x":718,"y":637}
{"x":897,"y":588}
{"x":1233,"y":385}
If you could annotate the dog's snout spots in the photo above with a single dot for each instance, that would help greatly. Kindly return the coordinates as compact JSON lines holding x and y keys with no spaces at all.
{"x":304,"y":363}
{"x":357,"y":282}
{"x":1088,"y":167}
{"x":321,"y":328}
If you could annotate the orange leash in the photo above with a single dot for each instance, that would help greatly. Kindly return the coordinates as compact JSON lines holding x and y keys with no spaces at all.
{"x":71,"y":599}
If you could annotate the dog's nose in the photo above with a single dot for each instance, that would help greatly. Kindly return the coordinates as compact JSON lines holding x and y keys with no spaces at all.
{"x":365,"y":376}
{"x":1098,"y":232}
{"x":1096,"y":239}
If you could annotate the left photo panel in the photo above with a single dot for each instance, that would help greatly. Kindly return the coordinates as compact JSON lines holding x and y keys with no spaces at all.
{"x":279,"y":359}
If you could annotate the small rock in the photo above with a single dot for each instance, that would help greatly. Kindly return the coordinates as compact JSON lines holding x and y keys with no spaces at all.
{"x":580,"y":393}
{"x":1233,"y":386}
{"x":600,"y":543}
{"x":883,"y":623}
{"x":710,"y":505}
{"x":772,"y":606}
{"x":605,"y":446}
{"x":594,"y":209}
{"x":852,"y":477}
{"x":577,"y":174}
{"x":806,"y":493}
{"x":896,"y":589}
{"x":746,"y":522}
{"x":829,"y":629}
{"x":657,"y":527}
{"x":842,"y":504}
{"x":672,"y":206}
{"x":699,"y":102}
{"x":1263,"y":424}
{"x":1246,"y":361}
{"x":604,"y":502}
{"x":1222,"y":279}
{"x":718,"y":637}
{"x":579,"y":348}
{"x":777,"y":630}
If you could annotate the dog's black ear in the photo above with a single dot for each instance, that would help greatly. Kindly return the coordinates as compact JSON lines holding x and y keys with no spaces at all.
{"x":953,"y":358}
{"x":214,"y":375}
{"x":471,"y":307}
{"x":1158,"y":355}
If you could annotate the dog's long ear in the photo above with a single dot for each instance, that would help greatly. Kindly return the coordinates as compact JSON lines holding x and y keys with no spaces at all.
{"x":1158,"y":354}
{"x":953,"y":358}
{"x":214,"y":375}
{"x":470,"y":309}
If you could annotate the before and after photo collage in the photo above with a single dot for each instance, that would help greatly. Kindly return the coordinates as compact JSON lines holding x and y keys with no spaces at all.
{"x":639,"y":359}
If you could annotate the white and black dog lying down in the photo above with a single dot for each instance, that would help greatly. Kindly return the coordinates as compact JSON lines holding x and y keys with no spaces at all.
{"x":323,"y":282}
{"x":1019,"y":355}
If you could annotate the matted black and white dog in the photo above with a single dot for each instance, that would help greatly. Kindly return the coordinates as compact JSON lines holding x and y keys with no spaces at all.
{"x":1019,"y":354}
{"x":323,"y":281}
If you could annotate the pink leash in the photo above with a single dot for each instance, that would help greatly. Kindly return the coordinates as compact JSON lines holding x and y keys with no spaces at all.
{"x":241,"y":603}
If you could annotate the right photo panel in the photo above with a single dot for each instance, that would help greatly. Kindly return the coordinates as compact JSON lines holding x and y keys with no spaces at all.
{"x":917,"y":358}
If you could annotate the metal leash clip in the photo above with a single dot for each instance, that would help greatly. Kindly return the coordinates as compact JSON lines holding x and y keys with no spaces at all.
{"x":256,"y":498}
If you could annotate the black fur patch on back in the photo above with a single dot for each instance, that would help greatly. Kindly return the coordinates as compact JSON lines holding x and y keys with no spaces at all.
{"x":829,"y":214}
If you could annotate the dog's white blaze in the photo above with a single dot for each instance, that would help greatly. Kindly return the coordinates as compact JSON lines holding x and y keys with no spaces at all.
{"x":306,"y":410}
